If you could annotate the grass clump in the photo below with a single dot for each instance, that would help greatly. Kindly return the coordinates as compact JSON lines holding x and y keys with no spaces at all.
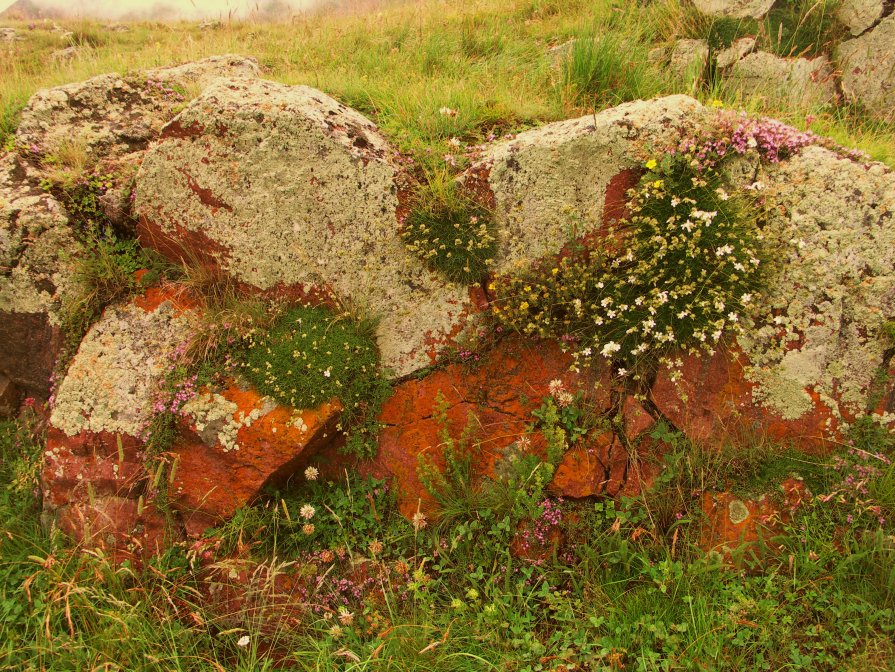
{"x":312,"y":356}
{"x":450,"y":231}
{"x":608,"y":68}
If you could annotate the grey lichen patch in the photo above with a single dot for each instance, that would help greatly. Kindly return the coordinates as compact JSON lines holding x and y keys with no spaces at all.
{"x":737,"y":511}
{"x":832,"y":227}
{"x":218,"y":420}
{"x":36,"y":247}
{"x":288,"y":187}
{"x":110,"y":383}
{"x":800,"y":82}
{"x":550,"y":184}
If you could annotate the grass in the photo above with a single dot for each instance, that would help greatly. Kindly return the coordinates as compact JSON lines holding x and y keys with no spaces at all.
{"x":489,"y":60}
{"x":333,"y":578}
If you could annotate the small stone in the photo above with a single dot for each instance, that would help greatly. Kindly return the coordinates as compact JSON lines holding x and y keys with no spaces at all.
{"x":737,"y":511}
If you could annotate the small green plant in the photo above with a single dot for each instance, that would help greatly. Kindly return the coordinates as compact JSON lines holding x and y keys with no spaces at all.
{"x":607,"y":68}
{"x":452,"y":233}
{"x":312,"y":356}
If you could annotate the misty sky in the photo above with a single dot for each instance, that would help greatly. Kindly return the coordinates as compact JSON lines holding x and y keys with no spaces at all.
{"x":188,"y":9}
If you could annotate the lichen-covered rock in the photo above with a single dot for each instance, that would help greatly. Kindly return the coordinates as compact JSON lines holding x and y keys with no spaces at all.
{"x":235,"y":443}
{"x":688,"y":58}
{"x":801,"y":82}
{"x":738,"y":50}
{"x":37,"y":248}
{"x":735,"y":8}
{"x":859,"y":15}
{"x":868,"y":69}
{"x":286,"y":189}
{"x":566,"y":179}
{"x":112,"y":118}
{"x":833,"y":227}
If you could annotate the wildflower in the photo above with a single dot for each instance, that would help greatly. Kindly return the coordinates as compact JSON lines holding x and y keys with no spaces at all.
{"x":311,"y":473}
{"x":456,"y":603}
{"x":448,"y":112}
{"x":308,"y":528}
{"x":335,"y":632}
{"x":328,"y":372}
{"x":651,"y":164}
{"x":346,"y":618}
{"x":556,"y":387}
{"x":419,"y":520}
{"x":472,"y":594}
{"x":454,"y":142}
{"x":610,"y":348}
{"x":375,"y":547}
{"x":307,"y":512}
{"x":243,"y":641}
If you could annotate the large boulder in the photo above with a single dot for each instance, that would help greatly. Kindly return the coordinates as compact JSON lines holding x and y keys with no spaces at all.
{"x":564,"y":180}
{"x":868,"y":69}
{"x":109,"y":120}
{"x":288,"y":190}
{"x":100,"y":483}
{"x":36,"y":250}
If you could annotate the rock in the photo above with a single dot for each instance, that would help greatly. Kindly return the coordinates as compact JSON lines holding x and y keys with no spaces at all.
{"x":860,"y":15}
{"x":134,"y":109}
{"x":289,"y":191}
{"x":10,"y":398}
{"x":734,"y":526}
{"x":229,"y":445}
{"x":233,"y":445}
{"x":868,"y":69}
{"x":561,"y":52}
{"x":497,"y":397}
{"x":36,"y":252}
{"x":740,"y":9}
{"x":799,"y":81}
{"x":9,"y":35}
{"x":821,"y":336}
{"x":688,"y":58}
{"x":66,"y":54}
{"x":738,"y":50}
{"x":571,"y":176}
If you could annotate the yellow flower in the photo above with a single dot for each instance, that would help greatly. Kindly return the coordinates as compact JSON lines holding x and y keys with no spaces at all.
{"x":651,"y":164}
{"x":658,"y":184}
{"x":717,"y":103}
{"x":523,"y":305}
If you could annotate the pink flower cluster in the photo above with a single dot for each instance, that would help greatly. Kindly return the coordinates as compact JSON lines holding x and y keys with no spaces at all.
{"x":739,"y":134}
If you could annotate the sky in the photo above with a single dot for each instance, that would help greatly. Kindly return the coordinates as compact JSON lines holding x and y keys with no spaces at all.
{"x":186,"y":9}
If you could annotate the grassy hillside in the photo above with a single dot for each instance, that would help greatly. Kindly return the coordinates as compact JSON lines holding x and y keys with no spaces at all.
{"x":493,"y":61}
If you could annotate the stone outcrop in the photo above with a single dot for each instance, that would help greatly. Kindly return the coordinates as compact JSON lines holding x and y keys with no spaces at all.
{"x":868,"y":69}
{"x":288,"y":190}
{"x":755,"y":9}
{"x":800,"y":82}
{"x":111,"y":119}
{"x":98,"y":479}
{"x":36,"y":251}
{"x":564,"y":180}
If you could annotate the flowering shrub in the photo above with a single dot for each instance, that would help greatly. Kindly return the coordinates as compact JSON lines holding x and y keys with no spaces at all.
{"x":312,"y":356}
{"x":450,"y":232}
{"x":677,"y":274}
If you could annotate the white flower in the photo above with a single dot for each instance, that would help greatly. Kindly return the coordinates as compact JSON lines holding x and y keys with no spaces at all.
{"x":328,"y":372}
{"x":733,"y":317}
{"x":311,"y":473}
{"x":746,"y":298}
{"x":609,"y":348}
{"x":454,"y":142}
{"x":556,"y":387}
{"x":307,"y":512}
{"x":419,"y":520}
{"x":448,"y":112}
{"x":243,"y":641}
{"x":723,"y":250}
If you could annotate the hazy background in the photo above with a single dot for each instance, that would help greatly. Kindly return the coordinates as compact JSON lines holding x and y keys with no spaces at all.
{"x":170,"y":9}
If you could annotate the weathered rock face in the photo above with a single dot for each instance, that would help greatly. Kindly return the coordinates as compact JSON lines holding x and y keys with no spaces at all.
{"x":98,"y":481}
{"x":285,"y":188}
{"x":111,"y":118}
{"x":232,"y":445}
{"x":36,"y":249}
{"x":738,"y":50}
{"x":565,"y":179}
{"x":800,"y":81}
{"x":689,"y":57}
{"x":735,"y":8}
{"x":859,"y":15}
{"x":868,"y":68}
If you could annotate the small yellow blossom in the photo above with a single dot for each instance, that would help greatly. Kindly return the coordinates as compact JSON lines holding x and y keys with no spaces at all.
{"x":651,"y":164}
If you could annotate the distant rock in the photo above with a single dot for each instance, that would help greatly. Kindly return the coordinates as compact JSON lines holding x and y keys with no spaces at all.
{"x":688,"y":58}
{"x":800,"y":82}
{"x":740,"y":9}
{"x":868,"y":69}
{"x":860,"y":15}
